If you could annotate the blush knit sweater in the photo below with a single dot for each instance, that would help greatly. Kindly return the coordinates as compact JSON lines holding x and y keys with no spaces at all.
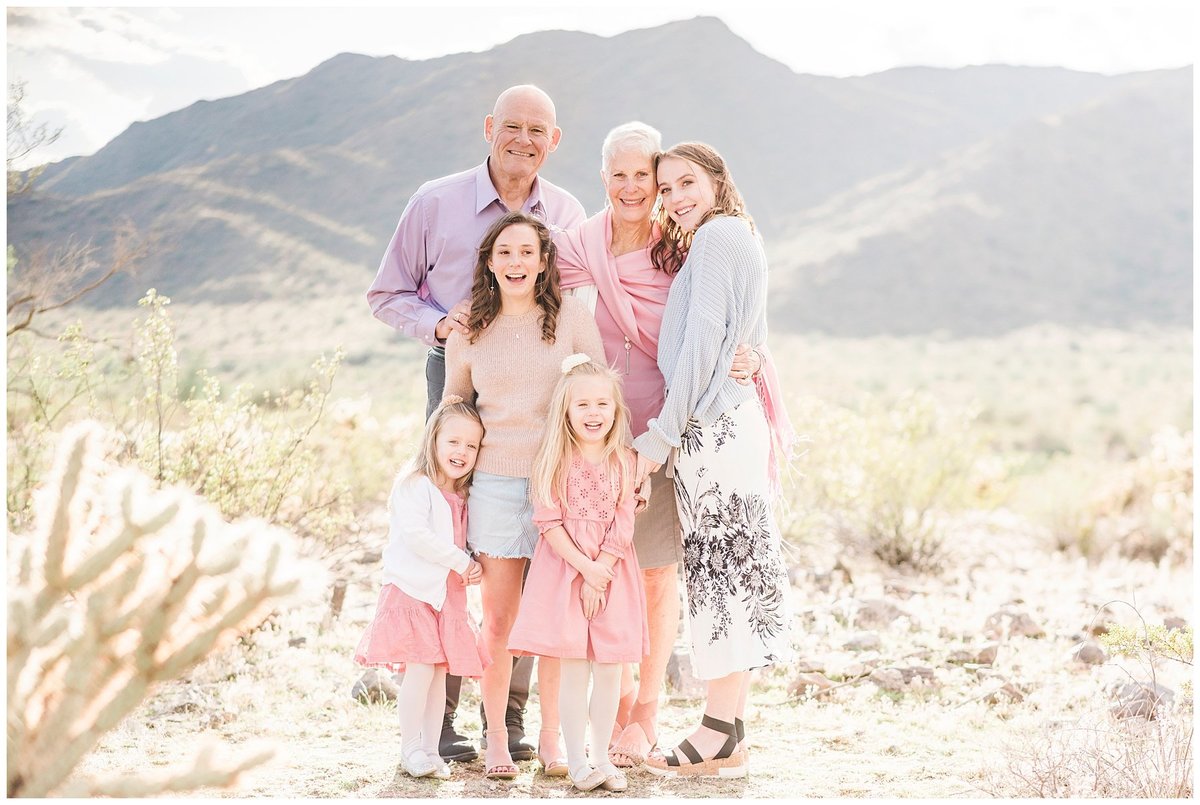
{"x":718,"y":300}
{"x":514,"y":371}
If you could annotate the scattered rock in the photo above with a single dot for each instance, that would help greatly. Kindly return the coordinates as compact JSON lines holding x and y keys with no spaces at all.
{"x":220,"y":719}
{"x":863,"y":641}
{"x":681,"y":676}
{"x":875,"y":613}
{"x":369,"y":557}
{"x":297,"y":642}
{"x":804,"y":681}
{"x":1174,"y":622}
{"x":1011,"y":623}
{"x":961,"y":657}
{"x":1100,"y":624}
{"x":1090,"y":653}
{"x":889,"y":679}
{"x":920,"y":672}
{"x":375,"y":687}
{"x":900,"y":589}
{"x":857,"y":670}
{"x":1006,"y":692}
{"x":1140,"y":699}
{"x":811,"y":666}
{"x":987,"y":655}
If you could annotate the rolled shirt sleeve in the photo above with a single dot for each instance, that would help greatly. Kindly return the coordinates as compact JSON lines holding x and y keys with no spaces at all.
{"x":394,"y":296}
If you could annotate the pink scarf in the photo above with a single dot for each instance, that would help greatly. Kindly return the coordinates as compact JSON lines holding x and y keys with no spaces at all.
{"x":637,"y":307}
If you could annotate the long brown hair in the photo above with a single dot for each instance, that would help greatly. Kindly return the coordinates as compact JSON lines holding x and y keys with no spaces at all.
{"x":548,"y":481}
{"x":485,"y":296}
{"x":671,"y":249}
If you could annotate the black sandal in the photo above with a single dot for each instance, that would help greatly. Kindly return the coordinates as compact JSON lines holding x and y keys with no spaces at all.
{"x":729,"y":761}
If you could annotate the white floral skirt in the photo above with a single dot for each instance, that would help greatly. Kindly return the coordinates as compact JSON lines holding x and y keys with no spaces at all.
{"x":737,"y":584}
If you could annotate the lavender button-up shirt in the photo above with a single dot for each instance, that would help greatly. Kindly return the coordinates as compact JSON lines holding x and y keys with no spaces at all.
{"x":429,"y":265}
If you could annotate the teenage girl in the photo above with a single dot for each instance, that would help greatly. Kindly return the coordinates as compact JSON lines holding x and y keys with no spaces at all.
{"x":421,"y":624}
{"x":520,"y":329}
{"x":584,"y":601}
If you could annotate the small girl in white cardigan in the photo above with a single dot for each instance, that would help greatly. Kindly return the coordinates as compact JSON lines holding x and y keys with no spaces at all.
{"x":421,"y":624}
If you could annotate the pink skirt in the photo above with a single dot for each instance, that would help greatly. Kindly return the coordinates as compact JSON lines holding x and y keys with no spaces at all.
{"x":407,"y":630}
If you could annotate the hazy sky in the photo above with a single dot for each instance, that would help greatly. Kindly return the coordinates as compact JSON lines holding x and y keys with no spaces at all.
{"x":94,"y":70}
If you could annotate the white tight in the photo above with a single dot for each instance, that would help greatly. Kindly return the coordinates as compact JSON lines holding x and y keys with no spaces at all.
{"x":421,"y":704}
{"x":574,"y":710}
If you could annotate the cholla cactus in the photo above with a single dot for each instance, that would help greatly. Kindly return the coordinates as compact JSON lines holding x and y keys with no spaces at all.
{"x":119,"y":587}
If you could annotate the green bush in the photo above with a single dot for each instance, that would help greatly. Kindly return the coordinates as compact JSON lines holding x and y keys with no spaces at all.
{"x":1144,"y":512}
{"x":261,"y":457}
{"x":880,"y":477}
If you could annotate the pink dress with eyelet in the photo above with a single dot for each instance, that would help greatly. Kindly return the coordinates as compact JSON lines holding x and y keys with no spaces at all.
{"x":406,"y":629}
{"x":550,"y":621}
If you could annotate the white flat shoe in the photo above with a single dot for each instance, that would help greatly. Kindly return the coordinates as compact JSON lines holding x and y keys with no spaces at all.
{"x":589,"y":777}
{"x":418,"y":764}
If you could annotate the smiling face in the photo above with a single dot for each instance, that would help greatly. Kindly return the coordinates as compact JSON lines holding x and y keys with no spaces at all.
{"x":629,"y":182}
{"x":516,"y":260}
{"x":687,"y":191}
{"x":591,"y":409}
{"x":521,"y":131}
{"x":457,"y":446}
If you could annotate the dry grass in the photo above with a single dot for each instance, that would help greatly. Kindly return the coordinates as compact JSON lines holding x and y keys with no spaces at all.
{"x":942,"y":741}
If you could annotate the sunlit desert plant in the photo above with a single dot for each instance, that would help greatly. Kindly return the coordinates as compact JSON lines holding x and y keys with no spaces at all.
{"x":880,"y":477}
{"x":120,"y":587}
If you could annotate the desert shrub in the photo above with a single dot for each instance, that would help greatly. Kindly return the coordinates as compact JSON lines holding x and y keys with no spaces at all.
{"x":1125,"y":759}
{"x":881,"y":476}
{"x":118,"y":588}
{"x":1142,"y":748}
{"x":1144,"y":512}
{"x":249,"y":456}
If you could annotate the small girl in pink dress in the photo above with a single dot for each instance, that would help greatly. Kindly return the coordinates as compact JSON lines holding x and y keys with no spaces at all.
{"x":421,"y":624}
{"x":583,"y":600}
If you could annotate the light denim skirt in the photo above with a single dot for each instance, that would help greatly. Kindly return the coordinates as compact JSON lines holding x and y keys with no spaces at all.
{"x":500,"y":517}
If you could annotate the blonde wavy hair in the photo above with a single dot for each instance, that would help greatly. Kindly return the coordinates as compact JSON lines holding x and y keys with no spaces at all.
{"x":671,"y":249}
{"x":424,"y":463}
{"x":559,"y":441}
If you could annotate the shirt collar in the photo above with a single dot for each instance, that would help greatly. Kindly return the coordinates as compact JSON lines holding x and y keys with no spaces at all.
{"x":486,"y":193}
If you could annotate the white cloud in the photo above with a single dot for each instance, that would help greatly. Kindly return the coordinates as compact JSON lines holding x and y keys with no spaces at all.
{"x":129,"y":36}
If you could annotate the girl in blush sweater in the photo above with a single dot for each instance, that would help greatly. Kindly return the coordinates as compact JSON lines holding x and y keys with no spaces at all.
{"x":520,"y":330}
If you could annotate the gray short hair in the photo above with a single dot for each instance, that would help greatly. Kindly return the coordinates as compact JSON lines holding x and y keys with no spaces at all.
{"x":634,"y":135}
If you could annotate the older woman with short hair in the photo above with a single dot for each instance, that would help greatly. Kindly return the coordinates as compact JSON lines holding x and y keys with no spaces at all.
{"x":612,"y":251}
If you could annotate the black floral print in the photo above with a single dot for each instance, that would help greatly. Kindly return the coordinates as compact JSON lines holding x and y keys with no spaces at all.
{"x":728,"y":554}
{"x":690,"y":441}
{"x":723,"y":431}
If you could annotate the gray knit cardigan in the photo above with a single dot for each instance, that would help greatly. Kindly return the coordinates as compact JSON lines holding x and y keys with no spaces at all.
{"x":717,"y":301}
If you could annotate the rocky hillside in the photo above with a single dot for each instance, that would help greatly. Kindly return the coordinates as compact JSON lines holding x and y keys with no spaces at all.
{"x":913,"y":200}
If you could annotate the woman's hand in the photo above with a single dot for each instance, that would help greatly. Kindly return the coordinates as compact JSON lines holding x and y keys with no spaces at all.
{"x":746,"y":363}
{"x":593,"y":602}
{"x":641,"y":494}
{"x":472,"y":575}
{"x":644,"y":467}
{"x":456,"y":319}
{"x":596,"y":575}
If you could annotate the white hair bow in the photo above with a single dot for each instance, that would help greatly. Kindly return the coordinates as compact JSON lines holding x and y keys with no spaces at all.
{"x":571,"y":361}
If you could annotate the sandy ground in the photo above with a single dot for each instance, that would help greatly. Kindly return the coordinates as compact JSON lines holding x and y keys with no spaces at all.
{"x":943,"y":739}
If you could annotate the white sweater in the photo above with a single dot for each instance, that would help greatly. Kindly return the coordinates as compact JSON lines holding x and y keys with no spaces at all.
{"x":421,"y":547}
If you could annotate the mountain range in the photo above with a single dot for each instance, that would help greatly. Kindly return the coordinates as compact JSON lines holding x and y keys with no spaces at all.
{"x":969,"y":201}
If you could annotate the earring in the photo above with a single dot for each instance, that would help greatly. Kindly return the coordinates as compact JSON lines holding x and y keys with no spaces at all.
{"x":491,"y":285}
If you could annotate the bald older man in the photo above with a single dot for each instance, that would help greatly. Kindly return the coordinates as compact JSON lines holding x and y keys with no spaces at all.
{"x":423,"y":287}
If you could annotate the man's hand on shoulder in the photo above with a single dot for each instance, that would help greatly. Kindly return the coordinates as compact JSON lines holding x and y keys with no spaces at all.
{"x":456,"y":319}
